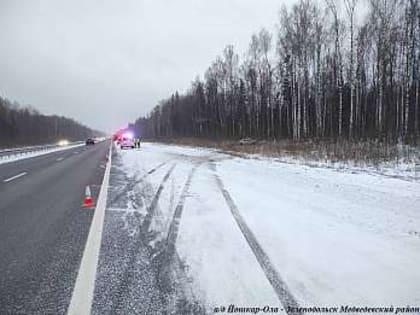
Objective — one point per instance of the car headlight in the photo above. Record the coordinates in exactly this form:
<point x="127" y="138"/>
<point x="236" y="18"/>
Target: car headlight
<point x="63" y="143"/>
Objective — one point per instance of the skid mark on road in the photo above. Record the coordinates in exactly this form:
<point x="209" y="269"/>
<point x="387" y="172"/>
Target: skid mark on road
<point x="171" y="270"/>
<point x="174" y="226"/>
<point x="169" y="265"/>
<point x="152" y="207"/>
<point x="138" y="285"/>
<point x="141" y="271"/>
<point x="133" y="183"/>
<point x="162" y="218"/>
<point x="155" y="168"/>
<point x="279" y="286"/>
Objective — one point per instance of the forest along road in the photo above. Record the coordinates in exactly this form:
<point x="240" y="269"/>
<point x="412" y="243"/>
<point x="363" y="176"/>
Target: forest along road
<point x="43" y="228"/>
<point x="190" y="231"/>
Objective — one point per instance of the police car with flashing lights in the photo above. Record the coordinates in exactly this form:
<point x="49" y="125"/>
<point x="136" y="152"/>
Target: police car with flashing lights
<point x="126" y="141"/>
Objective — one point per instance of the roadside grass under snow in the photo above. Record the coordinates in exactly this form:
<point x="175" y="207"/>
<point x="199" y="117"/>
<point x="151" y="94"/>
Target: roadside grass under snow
<point x="398" y="160"/>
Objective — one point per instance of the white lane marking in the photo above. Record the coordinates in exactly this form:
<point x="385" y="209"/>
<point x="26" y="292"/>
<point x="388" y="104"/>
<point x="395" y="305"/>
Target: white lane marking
<point x="76" y="152"/>
<point x="59" y="159"/>
<point x="14" y="177"/>
<point x="81" y="300"/>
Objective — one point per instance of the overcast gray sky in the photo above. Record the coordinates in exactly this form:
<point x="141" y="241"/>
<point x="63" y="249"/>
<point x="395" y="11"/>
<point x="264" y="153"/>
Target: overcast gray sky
<point x="105" y="63"/>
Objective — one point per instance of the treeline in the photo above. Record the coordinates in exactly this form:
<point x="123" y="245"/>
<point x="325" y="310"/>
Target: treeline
<point x="25" y="126"/>
<point x="325" y="73"/>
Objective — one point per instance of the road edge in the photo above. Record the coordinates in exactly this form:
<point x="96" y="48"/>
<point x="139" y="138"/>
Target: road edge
<point x="39" y="153"/>
<point x="82" y="296"/>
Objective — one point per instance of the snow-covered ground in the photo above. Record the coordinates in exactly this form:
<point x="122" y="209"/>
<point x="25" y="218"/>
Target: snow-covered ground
<point x="400" y="168"/>
<point x="33" y="152"/>
<point x="407" y="166"/>
<point x="256" y="232"/>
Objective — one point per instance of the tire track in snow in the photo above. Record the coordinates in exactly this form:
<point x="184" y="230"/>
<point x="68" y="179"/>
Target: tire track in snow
<point x="152" y="207"/>
<point x="174" y="225"/>
<point x="140" y="255"/>
<point x="167" y="286"/>
<point x="133" y="183"/>
<point x="283" y="293"/>
<point x="172" y="276"/>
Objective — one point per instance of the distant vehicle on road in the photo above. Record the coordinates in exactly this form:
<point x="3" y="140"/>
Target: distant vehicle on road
<point x="63" y="142"/>
<point x="90" y="141"/>
<point x="127" y="142"/>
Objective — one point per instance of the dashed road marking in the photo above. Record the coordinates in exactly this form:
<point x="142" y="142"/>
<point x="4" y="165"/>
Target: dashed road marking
<point x="59" y="159"/>
<point x="14" y="177"/>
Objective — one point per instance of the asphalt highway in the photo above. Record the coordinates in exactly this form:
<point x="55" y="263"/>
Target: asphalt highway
<point x="43" y="227"/>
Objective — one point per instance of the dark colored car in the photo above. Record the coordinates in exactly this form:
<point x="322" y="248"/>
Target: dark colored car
<point x="90" y="141"/>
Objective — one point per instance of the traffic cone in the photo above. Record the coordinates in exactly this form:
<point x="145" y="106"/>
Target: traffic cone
<point x="88" y="202"/>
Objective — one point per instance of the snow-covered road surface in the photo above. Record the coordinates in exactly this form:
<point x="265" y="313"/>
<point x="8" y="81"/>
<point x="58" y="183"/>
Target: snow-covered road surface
<point x="190" y="230"/>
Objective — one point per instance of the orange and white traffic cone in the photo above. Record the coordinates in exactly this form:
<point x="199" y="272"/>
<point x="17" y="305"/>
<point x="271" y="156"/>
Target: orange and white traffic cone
<point x="88" y="201"/>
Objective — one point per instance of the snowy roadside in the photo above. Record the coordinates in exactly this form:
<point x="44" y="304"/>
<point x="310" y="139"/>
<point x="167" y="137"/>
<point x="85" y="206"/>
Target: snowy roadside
<point x="36" y="152"/>
<point x="397" y="168"/>
<point x="198" y="228"/>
